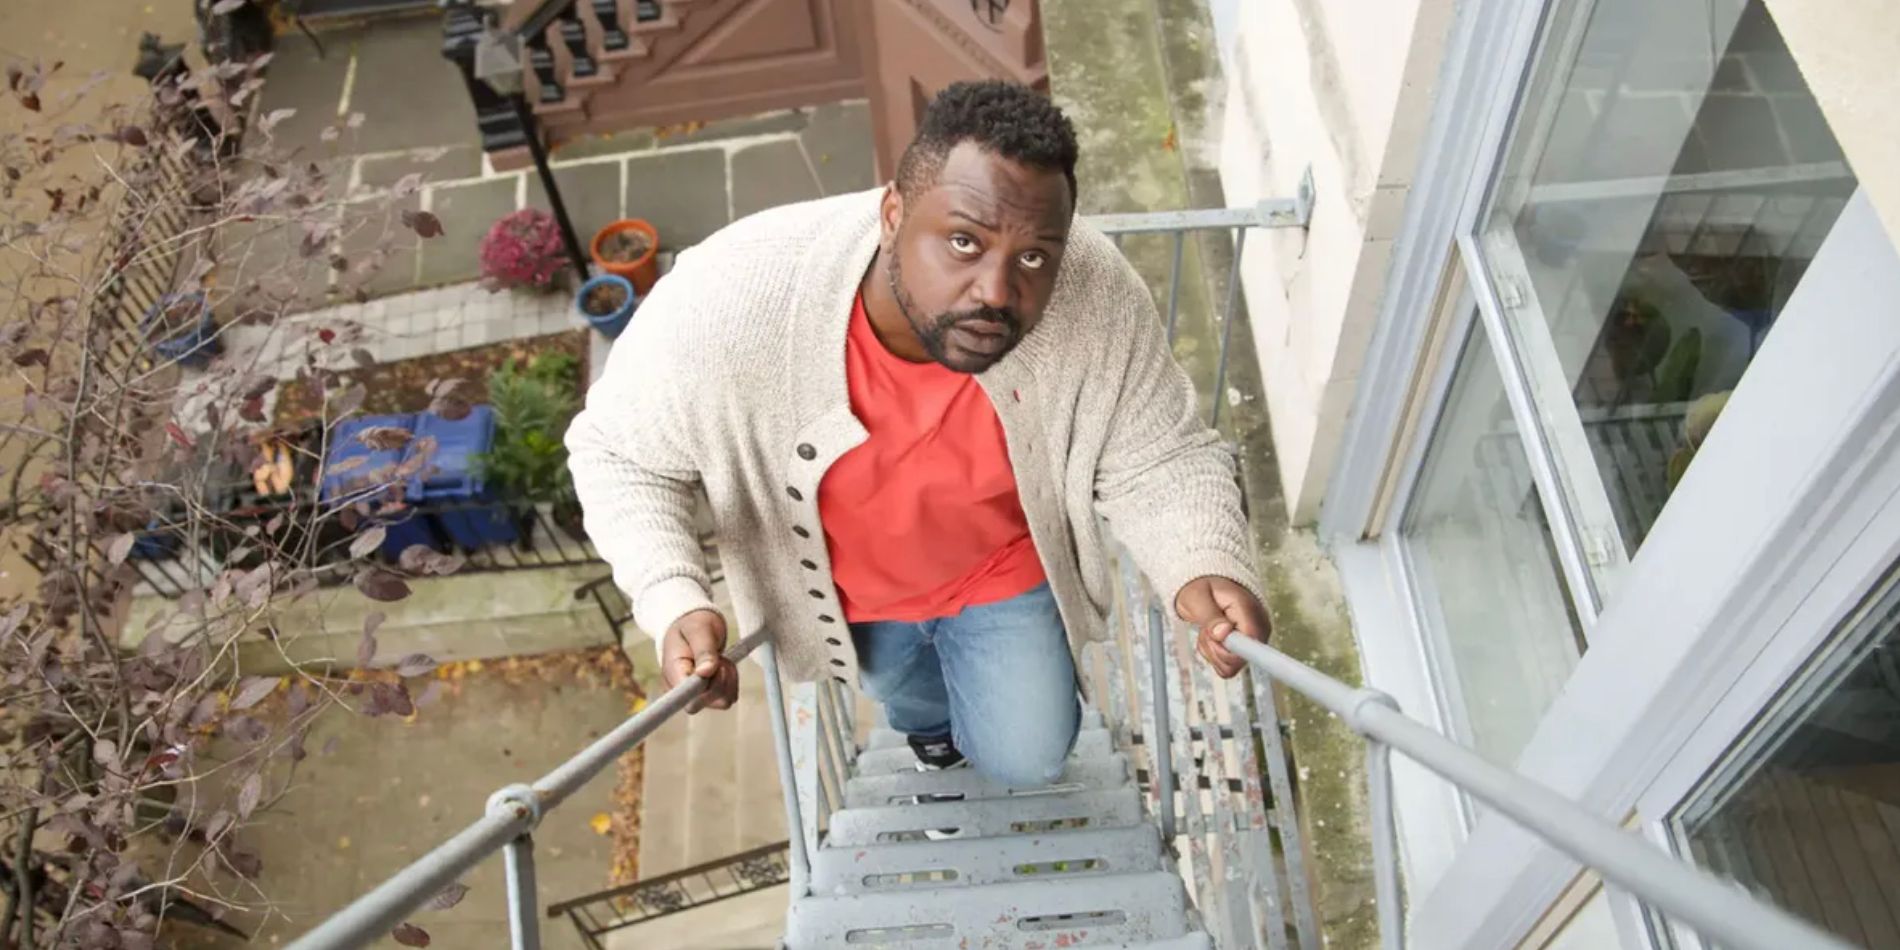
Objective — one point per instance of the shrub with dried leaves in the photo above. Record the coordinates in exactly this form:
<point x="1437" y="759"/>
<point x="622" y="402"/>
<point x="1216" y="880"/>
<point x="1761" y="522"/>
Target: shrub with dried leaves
<point x="133" y="761"/>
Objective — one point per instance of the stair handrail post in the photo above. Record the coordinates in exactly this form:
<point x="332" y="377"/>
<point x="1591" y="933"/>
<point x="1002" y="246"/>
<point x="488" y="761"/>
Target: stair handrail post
<point x="1161" y="741"/>
<point x="787" y="777"/>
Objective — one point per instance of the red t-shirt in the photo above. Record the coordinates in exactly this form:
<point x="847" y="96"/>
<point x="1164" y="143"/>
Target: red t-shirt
<point x="922" y="519"/>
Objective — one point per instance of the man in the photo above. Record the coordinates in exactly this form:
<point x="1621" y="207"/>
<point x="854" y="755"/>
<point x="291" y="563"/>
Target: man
<point x="906" y="409"/>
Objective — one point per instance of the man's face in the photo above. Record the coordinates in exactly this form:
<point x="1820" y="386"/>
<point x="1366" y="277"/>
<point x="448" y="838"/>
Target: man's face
<point x="973" y="259"/>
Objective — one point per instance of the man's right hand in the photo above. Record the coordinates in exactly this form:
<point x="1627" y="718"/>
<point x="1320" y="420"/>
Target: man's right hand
<point x="695" y="646"/>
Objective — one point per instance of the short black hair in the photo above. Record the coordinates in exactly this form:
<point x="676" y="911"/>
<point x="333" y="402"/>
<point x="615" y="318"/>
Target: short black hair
<point x="1006" y="119"/>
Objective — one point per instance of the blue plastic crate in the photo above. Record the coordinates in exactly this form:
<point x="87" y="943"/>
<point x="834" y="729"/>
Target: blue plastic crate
<point x="402" y="526"/>
<point x="449" y="478"/>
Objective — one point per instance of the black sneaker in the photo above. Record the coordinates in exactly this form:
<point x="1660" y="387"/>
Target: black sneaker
<point x="935" y="755"/>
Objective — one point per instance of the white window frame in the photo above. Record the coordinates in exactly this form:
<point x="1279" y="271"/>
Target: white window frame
<point x="1678" y="648"/>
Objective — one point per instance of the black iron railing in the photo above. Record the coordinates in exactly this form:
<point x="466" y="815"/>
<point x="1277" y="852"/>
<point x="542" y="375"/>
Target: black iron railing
<point x="487" y="535"/>
<point x="735" y="875"/>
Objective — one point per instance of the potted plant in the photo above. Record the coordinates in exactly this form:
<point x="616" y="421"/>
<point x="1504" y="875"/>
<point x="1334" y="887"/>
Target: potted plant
<point x="523" y="249"/>
<point x="607" y="301"/>
<point x="528" y="459"/>
<point x="179" y="328"/>
<point x="629" y="248"/>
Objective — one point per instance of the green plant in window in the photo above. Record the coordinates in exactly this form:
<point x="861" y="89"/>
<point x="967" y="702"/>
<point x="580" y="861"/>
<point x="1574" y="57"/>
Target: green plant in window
<point x="1675" y="378"/>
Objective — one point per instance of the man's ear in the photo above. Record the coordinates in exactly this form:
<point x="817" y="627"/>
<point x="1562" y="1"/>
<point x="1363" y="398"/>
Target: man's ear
<point x="890" y="215"/>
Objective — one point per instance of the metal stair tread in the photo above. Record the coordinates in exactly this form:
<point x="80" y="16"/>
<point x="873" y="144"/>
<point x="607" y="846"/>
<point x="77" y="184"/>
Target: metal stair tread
<point x="887" y="738"/>
<point x="1113" y="909"/>
<point x="1090" y="743"/>
<point x="897" y="788"/>
<point x="987" y="818"/>
<point x="886" y="868"/>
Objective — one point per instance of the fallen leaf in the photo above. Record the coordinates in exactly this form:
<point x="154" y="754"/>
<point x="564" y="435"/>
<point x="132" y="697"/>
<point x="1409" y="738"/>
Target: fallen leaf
<point x="425" y="224"/>
<point x="449" y="896"/>
<point x="253" y="691"/>
<point x="343" y="843"/>
<point x="602" y="823"/>
<point x="250" y="794"/>
<point x="415" y="664"/>
<point x="410" y="935"/>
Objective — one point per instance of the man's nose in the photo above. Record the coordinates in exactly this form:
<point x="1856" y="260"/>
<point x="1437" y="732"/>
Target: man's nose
<point x="991" y="287"/>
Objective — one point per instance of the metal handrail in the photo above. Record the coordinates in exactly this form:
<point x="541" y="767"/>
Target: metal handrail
<point x="513" y="813"/>
<point x="1714" y="908"/>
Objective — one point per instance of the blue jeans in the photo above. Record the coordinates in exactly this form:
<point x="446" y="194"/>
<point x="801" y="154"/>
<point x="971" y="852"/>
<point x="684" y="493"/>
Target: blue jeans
<point x="997" y="678"/>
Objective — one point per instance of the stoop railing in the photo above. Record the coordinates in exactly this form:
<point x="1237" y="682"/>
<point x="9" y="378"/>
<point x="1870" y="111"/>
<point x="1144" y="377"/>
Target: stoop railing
<point x="1221" y="788"/>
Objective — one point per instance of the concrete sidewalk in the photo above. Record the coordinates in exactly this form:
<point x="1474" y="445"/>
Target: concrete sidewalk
<point x="417" y="119"/>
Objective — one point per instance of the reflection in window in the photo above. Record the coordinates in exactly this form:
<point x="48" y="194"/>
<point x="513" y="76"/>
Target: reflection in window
<point x="1483" y="560"/>
<point x="1669" y="180"/>
<point x="1806" y="810"/>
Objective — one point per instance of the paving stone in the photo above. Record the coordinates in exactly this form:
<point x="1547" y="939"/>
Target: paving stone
<point x="592" y="194"/>
<point x="467" y="212"/>
<point x="682" y="193"/>
<point x="436" y="164"/>
<point x="378" y="226"/>
<point x="790" y="120"/>
<point x="591" y="146"/>
<point x="409" y="95"/>
<point x="769" y="175"/>
<point x="297" y="79"/>
<point x="838" y="142"/>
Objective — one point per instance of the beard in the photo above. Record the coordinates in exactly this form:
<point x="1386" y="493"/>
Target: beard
<point x="934" y="332"/>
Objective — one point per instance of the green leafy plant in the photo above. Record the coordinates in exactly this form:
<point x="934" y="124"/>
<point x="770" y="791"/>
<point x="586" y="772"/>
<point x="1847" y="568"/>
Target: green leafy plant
<point x="533" y="406"/>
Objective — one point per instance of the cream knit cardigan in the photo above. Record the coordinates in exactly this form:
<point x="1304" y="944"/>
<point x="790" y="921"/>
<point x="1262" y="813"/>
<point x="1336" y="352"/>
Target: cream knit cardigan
<point x="731" y="379"/>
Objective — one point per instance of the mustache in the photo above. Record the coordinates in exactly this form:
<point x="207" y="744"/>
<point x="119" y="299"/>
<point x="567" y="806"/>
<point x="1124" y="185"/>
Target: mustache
<point x="1003" y="315"/>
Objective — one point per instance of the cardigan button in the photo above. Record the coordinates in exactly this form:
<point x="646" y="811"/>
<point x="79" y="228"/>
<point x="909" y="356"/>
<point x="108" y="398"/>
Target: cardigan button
<point x="827" y="618"/>
<point x="800" y="531"/>
<point x="834" y="641"/>
<point x="816" y="594"/>
<point x="806" y="452"/>
<point x="809" y="564"/>
<point x="795" y="493"/>
<point x="837" y="663"/>
<point x="842" y="680"/>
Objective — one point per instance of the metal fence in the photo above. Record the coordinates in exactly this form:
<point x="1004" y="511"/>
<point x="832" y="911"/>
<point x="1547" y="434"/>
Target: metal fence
<point x="170" y="563"/>
<point x="601" y="913"/>
<point x="1221" y="784"/>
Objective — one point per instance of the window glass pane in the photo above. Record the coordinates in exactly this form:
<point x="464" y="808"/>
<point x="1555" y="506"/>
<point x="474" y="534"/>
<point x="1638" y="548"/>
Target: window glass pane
<point x="1484" y="566"/>
<point x="1668" y="179"/>
<point x="1805" y="811"/>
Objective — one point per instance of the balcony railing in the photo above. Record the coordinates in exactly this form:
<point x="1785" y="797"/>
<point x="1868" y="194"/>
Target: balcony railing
<point x="1233" y="829"/>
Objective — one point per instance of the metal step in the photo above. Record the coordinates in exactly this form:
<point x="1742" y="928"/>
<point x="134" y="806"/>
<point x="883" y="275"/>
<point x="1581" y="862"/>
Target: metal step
<point x="892" y="739"/>
<point x="987" y="818"/>
<point x="901" y="788"/>
<point x="1091" y="743"/>
<point x="971" y="862"/>
<point x="1110" y="910"/>
<point x="1193" y="941"/>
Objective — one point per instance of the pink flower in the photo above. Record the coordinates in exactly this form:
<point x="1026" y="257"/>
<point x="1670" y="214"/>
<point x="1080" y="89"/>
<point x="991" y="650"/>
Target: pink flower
<point x="523" y="249"/>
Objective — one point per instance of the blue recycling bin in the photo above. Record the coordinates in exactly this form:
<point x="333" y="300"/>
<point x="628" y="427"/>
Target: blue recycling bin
<point x="462" y="505"/>
<point x="369" y="480"/>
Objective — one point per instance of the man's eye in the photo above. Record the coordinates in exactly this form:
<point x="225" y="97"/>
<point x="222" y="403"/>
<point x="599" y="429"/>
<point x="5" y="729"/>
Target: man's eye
<point x="963" y="244"/>
<point x="1034" y="260"/>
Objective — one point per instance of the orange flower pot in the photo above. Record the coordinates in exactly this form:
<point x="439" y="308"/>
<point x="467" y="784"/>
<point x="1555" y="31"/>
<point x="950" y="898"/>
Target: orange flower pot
<point x="643" y="271"/>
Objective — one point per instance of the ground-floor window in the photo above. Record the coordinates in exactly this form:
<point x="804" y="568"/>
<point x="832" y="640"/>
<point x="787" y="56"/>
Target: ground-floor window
<point x="1664" y="183"/>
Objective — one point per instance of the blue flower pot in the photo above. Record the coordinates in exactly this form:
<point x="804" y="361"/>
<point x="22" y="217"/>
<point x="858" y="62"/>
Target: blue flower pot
<point x="193" y="346"/>
<point x="610" y="324"/>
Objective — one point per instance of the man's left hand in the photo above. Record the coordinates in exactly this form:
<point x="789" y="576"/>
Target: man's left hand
<point x="1219" y="608"/>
